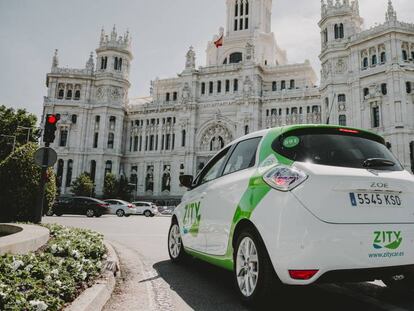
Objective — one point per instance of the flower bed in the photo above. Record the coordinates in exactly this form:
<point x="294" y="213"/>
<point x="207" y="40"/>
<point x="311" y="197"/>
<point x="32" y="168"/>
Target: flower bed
<point x="53" y="276"/>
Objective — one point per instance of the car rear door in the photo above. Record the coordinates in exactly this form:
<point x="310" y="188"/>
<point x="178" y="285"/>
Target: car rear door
<point x="223" y="195"/>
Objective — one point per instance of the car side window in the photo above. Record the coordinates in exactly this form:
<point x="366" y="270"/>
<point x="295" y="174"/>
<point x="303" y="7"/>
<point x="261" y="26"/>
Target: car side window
<point x="213" y="168"/>
<point x="243" y="156"/>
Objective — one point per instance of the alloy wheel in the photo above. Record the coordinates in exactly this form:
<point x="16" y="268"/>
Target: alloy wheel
<point x="247" y="266"/>
<point x="174" y="241"/>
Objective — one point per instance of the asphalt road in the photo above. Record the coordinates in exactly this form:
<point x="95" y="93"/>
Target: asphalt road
<point x="150" y="282"/>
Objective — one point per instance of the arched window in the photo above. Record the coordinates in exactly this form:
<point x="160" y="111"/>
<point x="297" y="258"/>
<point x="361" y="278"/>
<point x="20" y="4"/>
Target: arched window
<point x="383" y="57"/>
<point x="336" y="31"/>
<point x="112" y="122"/>
<point x="77" y="94"/>
<point x="384" y="90"/>
<point x="274" y="86"/>
<point x="108" y="167"/>
<point x="408" y="87"/>
<point x="61" y="94"/>
<point x="211" y="87"/>
<point x="183" y="138"/>
<point x="59" y="172"/>
<point x="69" y="173"/>
<point x="93" y="170"/>
<point x="366" y="92"/>
<point x="69" y="94"/>
<point x="136" y="143"/>
<point x="404" y="55"/>
<point x="235" y="85"/>
<point x="111" y="138"/>
<point x="342" y="120"/>
<point x="365" y="62"/>
<point x="283" y="85"/>
<point x="104" y="62"/>
<point x="374" y="60"/>
<point x="120" y="64"/>
<point x="203" y="88"/>
<point x="74" y="118"/>
<point x="116" y="63"/>
<point x="63" y="138"/>
<point x="341" y="31"/>
<point x="246" y="130"/>
<point x="292" y="84"/>
<point x="236" y="57"/>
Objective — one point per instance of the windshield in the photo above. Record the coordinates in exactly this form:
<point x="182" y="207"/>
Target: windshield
<point x="336" y="147"/>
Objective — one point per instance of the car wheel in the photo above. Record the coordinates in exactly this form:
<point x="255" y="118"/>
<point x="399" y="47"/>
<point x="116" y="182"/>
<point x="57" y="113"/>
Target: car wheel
<point x="253" y="271"/>
<point x="90" y="212"/>
<point x="120" y="213"/>
<point x="147" y="213"/>
<point x="50" y="213"/>
<point x="59" y="214"/>
<point x="175" y="243"/>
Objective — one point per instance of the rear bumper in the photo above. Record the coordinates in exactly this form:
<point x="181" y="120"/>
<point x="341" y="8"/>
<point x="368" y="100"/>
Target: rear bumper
<point x="297" y="240"/>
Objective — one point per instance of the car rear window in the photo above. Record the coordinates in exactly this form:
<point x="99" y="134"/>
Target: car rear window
<point x="334" y="147"/>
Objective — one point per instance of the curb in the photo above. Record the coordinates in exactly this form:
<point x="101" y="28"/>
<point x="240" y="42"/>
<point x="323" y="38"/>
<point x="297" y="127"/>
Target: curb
<point x="95" y="297"/>
<point x="23" y="238"/>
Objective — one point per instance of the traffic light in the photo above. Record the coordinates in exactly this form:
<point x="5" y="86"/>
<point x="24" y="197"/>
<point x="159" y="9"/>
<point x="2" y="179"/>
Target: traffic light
<point x="50" y="128"/>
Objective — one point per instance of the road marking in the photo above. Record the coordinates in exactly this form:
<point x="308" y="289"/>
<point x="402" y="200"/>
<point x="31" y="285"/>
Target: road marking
<point x="361" y="297"/>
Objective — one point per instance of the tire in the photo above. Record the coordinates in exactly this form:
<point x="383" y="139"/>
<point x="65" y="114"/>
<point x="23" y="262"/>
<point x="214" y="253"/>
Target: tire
<point x="254" y="275"/>
<point x="148" y="213"/>
<point x="59" y="214"/>
<point x="90" y="213"/>
<point x="175" y="244"/>
<point x="120" y="213"/>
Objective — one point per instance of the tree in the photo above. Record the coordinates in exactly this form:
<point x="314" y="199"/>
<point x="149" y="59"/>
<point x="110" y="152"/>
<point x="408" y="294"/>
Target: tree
<point x="123" y="189"/>
<point x="83" y="185"/>
<point x="110" y="186"/>
<point x="17" y="123"/>
<point x="20" y="184"/>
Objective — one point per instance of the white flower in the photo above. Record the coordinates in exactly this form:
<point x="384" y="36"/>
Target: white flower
<point x="48" y="278"/>
<point x="3" y="295"/>
<point x="17" y="264"/>
<point x="58" y="283"/>
<point x="75" y="254"/>
<point x="54" y="272"/>
<point x="28" y="268"/>
<point x="38" y="304"/>
<point x="53" y="248"/>
<point x="84" y="275"/>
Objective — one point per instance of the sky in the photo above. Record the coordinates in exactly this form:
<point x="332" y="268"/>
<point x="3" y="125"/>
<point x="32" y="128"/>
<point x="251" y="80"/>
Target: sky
<point x="161" y="30"/>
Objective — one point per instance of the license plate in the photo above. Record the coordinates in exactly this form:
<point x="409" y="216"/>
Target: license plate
<point x="375" y="199"/>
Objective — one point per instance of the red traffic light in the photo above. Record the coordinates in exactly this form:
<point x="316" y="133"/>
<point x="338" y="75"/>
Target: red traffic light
<point x="52" y="119"/>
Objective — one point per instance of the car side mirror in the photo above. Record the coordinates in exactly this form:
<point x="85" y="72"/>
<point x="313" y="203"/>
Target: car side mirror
<point x="187" y="181"/>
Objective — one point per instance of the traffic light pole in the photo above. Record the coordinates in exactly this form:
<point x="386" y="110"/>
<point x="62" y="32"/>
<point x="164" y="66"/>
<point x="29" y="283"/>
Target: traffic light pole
<point x="43" y="179"/>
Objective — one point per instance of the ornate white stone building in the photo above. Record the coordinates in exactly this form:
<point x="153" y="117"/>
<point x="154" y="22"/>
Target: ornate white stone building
<point x="246" y="85"/>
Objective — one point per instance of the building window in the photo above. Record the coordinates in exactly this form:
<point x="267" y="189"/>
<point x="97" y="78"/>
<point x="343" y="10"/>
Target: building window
<point x="292" y="84"/>
<point x="167" y="141"/>
<point x="246" y="129"/>
<point x="218" y="86"/>
<point x="283" y="85"/>
<point x="274" y="86"/>
<point x="374" y="60"/>
<point x="69" y="173"/>
<point x="61" y="94"/>
<point x="136" y="143"/>
<point x="63" y="138"/>
<point x="95" y="140"/>
<point x="412" y="155"/>
<point x="365" y="62"/>
<point x="111" y="138"/>
<point x="167" y="97"/>
<point x="383" y="58"/>
<point x="341" y="98"/>
<point x="74" y="118"/>
<point x="77" y="95"/>
<point x="336" y="31"/>
<point x="366" y="92"/>
<point x="341" y="31"/>
<point x="203" y="88"/>
<point x="69" y="94"/>
<point x="108" y="167"/>
<point x="236" y="57"/>
<point x="227" y="86"/>
<point x="104" y="62"/>
<point x="408" y="87"/>
<point x="210" y="87"/>
<point x="183" y="138"/>
<point x="93" y="170"/>
<point x="384" y="90"/>
<point x="235" y="85"/>
<point x="342" y="120"/>
<point x="112" y="122"/>
<point x="59" y="173"/>
<point x="175" y="96"/>
<point x="235" y="24"/>
<point x="404" y="55"/>
<point x="375" y="117"/>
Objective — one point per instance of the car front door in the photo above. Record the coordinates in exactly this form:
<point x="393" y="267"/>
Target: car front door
<point x="223" y="195"/>
<point x="192" y="218"/>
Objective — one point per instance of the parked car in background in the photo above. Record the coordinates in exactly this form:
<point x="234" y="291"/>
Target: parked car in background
<point x="166" y="210"/>
<point x="79" y="206"/>
<point x="148" y="209"/>
<point x="121" y="208"/>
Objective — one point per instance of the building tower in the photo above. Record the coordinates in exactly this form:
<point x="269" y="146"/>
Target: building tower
<point x="339" y="22"/>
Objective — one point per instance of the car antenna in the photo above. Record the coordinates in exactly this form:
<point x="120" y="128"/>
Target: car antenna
<point x="330" y="110"/>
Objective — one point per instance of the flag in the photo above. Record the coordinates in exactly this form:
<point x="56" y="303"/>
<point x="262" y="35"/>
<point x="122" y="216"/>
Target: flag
<point x="219" y="42"/>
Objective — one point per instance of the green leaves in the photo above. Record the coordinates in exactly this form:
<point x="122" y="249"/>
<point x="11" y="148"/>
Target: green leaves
<point x="83" y="185"/>
<point x="55" y="276"/>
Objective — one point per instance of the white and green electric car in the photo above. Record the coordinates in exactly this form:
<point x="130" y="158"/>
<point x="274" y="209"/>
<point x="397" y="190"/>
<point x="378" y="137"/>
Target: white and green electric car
<point x="298" y="205"/>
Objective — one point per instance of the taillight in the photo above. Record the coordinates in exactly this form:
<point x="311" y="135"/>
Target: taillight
<point x="284" y="178"/>
<point x="130" y="206"/>
<point x="103" y="205"/>
<point x="302" y="274"/>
